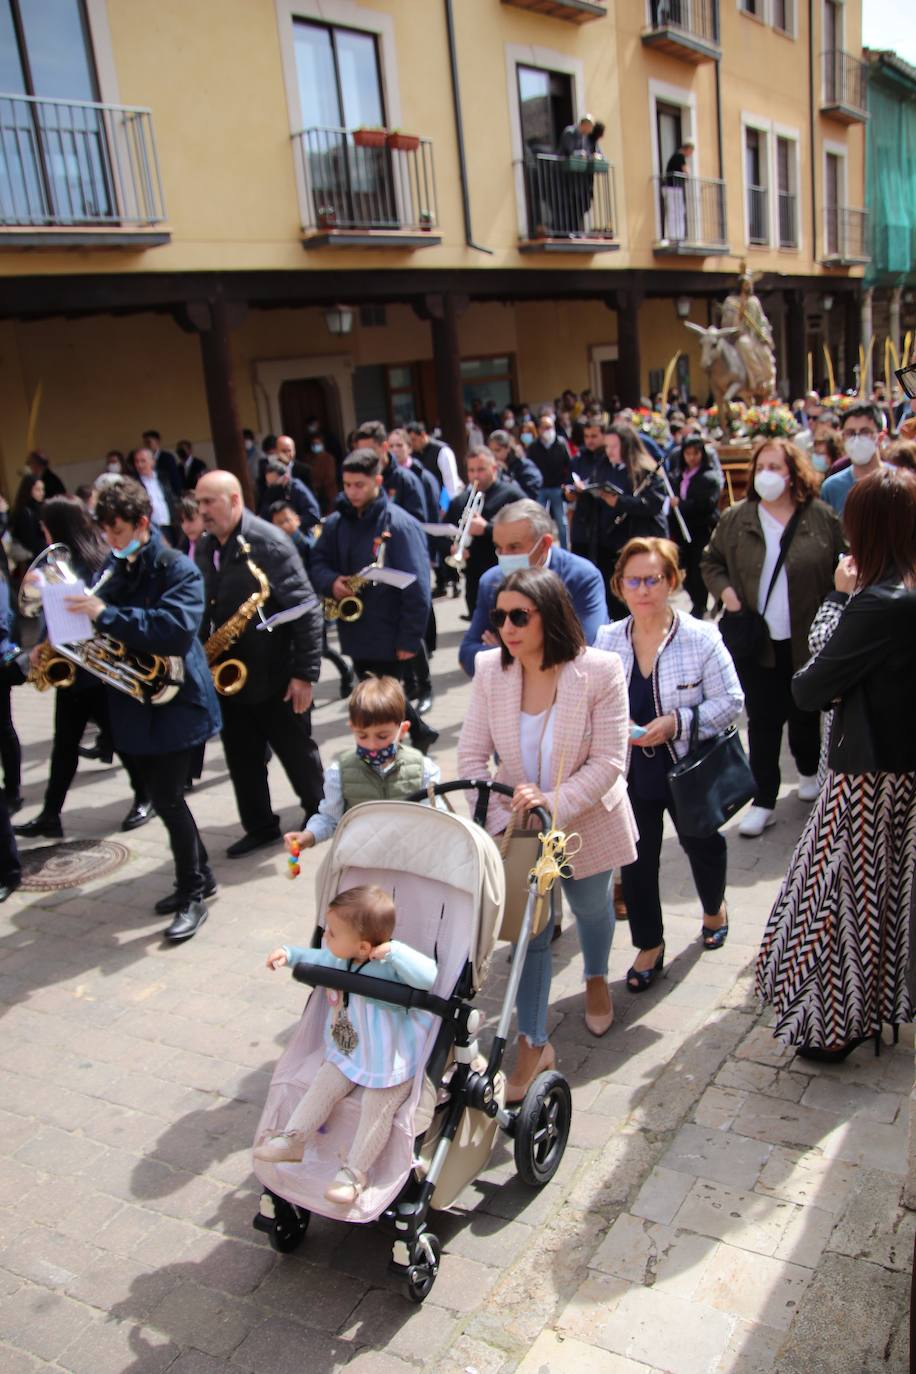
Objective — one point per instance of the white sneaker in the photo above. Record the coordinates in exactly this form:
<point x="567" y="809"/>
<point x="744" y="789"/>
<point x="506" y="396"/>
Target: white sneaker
<point x="808" y="789"/>
<point x="756" y="821"/>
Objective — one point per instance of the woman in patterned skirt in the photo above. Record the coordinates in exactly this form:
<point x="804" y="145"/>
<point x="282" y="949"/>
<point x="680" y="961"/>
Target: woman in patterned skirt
<point x="835" y="955"/>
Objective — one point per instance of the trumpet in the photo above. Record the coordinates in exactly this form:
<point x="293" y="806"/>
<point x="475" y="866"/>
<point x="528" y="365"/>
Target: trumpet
<point x="463" y="538"/>
<point x="350" y="607"/>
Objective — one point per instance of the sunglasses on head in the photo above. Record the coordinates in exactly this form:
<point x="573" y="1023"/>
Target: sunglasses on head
<point x="517" y="616"/>
<point x="633" y="584"/>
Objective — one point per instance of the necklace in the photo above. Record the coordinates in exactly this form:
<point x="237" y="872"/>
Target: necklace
<point x="343" y="1031"/>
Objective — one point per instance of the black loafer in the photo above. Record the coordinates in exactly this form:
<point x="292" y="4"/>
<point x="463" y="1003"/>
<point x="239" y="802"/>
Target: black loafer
<point x="138" y="815"/>
<point x="249" y="843"/>
<point x="187" y="922"/>
<point x="95" y="752"/>
<point x="424" y="703"/>
<point x="47" y="826"/>
<point x="175" y="901"/>
<point x="9" y="887"/>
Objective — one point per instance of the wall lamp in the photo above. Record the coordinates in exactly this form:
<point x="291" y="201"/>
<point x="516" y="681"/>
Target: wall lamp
<point x="339" y="319"/>
<point x="682" y="306"/>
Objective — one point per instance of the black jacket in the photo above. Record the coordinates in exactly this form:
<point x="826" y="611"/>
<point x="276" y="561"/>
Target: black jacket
<point x="404" y="489"/>
<point x="700" y="507"/>
<point x="272" y="657"/>
<point x="154" y="605"/>
<point x="482" y="553"/>
<point x="640" y="508"/>
<point x="298" y="495"/>
<point x="552" y="463"/>
<point x="868" y="667"/>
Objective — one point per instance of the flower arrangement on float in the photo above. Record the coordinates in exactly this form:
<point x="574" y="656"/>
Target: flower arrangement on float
<point x="653" y="424"/>
<point x="769" y="422"/>
<point x="840" y="401"/>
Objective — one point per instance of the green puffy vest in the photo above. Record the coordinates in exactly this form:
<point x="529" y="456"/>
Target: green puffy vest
<point x="360" y="782"/>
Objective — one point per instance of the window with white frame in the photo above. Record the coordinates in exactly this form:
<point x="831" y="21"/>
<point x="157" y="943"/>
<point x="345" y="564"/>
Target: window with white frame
<point x="787" y="191"/>
<point x="756" y="183"/>
<point x="752" y="7"/>
<point x="782" y="15"/>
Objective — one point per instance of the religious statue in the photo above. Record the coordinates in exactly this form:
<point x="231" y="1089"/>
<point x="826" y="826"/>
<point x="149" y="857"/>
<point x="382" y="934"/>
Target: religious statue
<point x="738" y="356"/>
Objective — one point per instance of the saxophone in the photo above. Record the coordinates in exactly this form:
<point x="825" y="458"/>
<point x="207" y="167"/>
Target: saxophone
<point x="350" y="608"/>
<point x="230" y="676"/>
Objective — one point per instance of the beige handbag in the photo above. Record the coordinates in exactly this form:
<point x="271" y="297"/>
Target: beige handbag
<point x="520" y="850"/>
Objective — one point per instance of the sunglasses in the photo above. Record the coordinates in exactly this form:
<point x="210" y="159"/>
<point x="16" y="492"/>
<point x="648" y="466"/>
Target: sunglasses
<point x="516" y="616"/>
<point x="633" y="584"/>
<point x="906" y="376"/>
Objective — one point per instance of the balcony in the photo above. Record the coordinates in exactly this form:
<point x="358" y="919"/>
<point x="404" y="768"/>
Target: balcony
<point x="690" y="217"/>
<point x="758" y="215"/>
<point x="787" y="210"/>
<point x="367" y="188"/>
<point x="76" y="174"/>
<point x="573" y="11"/>
<point x="569" y="203"/>
<point x="845" y="237"/>
<point x="844" y="95"/>
<point x="687" y="29"/>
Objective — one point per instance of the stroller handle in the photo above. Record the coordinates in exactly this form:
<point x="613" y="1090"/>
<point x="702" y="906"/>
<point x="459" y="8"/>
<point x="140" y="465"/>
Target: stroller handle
<point x="483" y="788"/>
<point x="375" y="989"/>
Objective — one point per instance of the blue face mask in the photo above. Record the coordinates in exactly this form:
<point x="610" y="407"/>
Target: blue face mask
<point x="377" y="758"/>
<point x="819" y="462"/>
<point x="527" y="439"/>
<point x="512" y="562"/>
<point x="128" y="550"/>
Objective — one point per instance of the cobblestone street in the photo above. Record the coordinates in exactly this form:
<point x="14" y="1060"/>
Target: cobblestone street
<point x="722" y="1208"/>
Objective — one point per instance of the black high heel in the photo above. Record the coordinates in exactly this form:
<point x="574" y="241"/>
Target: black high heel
<point x="640" y="980"/>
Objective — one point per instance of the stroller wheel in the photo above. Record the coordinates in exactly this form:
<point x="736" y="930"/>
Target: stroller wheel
<point x="542" y="1128"/>
<point x="289" y="1227"/>
<point x="425" y="1256"/>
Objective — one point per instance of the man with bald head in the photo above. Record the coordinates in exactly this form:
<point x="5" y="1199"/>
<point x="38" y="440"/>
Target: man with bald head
<point x="272" y="708"/>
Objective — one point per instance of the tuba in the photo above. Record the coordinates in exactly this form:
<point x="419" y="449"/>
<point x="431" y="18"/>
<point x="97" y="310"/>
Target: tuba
<point x="230" y="676"/>
<point x="148" y="678"/>
<point x="350" y="608"/>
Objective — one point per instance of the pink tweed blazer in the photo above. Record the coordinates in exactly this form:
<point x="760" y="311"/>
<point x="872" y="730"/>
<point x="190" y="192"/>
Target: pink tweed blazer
<point x="589" y="736"/>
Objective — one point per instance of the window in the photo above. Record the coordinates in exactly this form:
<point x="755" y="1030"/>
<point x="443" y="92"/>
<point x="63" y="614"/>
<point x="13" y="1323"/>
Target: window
<point x="54" y="157"/>
<point x="339" y="82"/>
<point x="382" y="392"/>
<point x="402" y="394"/>
<point x="833" y="196"/>
<point x="755" y="173"/>
<point x="545" y="102"/>
<point x="786" y="191"/>
<point x="490" y="379"/>
<point x="753" y="7"/>
<point x="783" y="15"/>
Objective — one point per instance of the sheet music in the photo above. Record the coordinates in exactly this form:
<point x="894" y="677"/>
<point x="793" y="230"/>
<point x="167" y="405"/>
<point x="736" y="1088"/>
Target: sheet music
<point x="63" y="626"/>
<point x="440" y="531"/>
<point x="282" y="617"/>
<point x="391" y="577"/>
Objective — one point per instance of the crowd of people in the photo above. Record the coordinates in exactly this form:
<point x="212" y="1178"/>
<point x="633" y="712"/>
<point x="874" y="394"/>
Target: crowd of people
<point x="574" y="528"/>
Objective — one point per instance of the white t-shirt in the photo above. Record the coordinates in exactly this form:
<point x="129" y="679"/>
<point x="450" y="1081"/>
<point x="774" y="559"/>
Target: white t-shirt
<point x="448" y="469"/>
<point x="535" y="731"/>
<point x="777" y="612"/>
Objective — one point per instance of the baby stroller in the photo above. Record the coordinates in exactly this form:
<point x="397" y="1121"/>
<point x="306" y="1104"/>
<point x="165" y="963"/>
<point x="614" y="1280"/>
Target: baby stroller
<point x="446" y="876"/>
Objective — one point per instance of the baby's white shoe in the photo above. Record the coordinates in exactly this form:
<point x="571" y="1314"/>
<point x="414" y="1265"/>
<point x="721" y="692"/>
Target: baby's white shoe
<point x="347" y="1186"/>
<point x="280" y="1149"/>
<point x="756" y="821"/>
<point x="808" y="789"/>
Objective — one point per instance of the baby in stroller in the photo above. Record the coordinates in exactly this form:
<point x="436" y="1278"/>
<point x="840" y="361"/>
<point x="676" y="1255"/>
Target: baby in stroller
<point x="367" y="1044"/>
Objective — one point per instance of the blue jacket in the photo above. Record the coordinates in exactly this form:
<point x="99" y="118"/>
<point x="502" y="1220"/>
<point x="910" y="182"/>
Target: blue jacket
<point x="583" y="582"/>
<point x="155" y="605"/>
<point x="392" y="619"/>
<point x="405" y="489"/>
<point x="526" y="475"/>
<point x="302" y="500"/>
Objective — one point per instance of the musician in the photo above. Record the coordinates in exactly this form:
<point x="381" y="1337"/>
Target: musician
<point x="390" y="632"/>
<point x="497" y="492"/>
<point x="273" y="708"/>
<point x="153" y="603"/>
<point x="403" y="488"/>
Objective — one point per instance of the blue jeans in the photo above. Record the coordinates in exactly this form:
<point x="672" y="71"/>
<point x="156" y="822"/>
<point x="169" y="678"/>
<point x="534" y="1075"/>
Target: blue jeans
<point x="552" y="499"/>
<point x="590" y="900"/>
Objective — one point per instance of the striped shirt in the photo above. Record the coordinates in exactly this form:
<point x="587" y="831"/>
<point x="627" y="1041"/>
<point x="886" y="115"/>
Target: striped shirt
<point x="390" y="1040"/>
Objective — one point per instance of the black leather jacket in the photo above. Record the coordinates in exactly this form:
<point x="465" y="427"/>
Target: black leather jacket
<point x="867" y="669"/>
<point x="271" y="657"/>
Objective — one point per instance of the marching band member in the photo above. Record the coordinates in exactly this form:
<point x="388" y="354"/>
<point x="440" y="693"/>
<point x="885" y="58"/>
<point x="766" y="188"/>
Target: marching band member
<point x="497" y="492"/>
<point x="154" y="601"/>
<point x="272" y="707"/>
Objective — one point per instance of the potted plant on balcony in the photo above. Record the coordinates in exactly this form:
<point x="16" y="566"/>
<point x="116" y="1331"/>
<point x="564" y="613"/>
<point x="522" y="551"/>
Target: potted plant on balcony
<point x="426" y="220"/>
<point x="579" y="162"/>
<point x="399" y="142"/>
<point x="326" y="216"/>
<point x="370" y="137"/>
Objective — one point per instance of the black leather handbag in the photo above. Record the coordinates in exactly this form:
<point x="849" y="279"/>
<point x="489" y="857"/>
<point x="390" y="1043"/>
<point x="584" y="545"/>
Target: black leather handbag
<point x="746" y="632"/>
<point x="711" y="782"/>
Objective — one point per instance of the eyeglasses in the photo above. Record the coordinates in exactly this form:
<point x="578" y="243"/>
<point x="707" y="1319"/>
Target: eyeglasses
<point x="633" y="584"/>
<point x="906" y="376"/>
<point x="516" y="616"/>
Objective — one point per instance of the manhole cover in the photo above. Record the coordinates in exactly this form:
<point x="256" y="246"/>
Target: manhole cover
<point x="70" y="863"/>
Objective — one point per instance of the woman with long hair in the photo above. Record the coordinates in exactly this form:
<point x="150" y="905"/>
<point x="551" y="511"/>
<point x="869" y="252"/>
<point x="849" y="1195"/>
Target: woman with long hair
<point x="770" y="562"/>
<point x="554" y="713"/>
<point x="66" y="521"/>
<point x="698" y="487"/>
<point x="835" y="957"/>
<point x="25" y="517"/>
<point x="631" y="501"/>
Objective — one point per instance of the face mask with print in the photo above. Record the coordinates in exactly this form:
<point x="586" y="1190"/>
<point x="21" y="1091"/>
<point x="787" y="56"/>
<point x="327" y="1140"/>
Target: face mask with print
<point x="860" y="449"/>
<point x="128" y="550"/>
<point x="769" y="486"/>
<point x="378" y="757"/>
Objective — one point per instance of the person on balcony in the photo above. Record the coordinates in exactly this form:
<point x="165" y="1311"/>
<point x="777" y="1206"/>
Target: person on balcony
<point x="575" y="195"/>
<point x="674" y="198"/>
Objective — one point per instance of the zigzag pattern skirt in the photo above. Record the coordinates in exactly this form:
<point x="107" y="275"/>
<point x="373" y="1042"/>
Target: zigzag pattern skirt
<point x="835" y="953"/>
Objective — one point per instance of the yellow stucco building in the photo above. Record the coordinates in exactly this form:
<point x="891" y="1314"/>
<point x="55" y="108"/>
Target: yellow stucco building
<point x="188" y="192"/>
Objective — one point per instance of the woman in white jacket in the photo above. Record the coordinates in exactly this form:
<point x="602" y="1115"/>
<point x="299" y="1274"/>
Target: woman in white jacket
<point x="675" y="665"/>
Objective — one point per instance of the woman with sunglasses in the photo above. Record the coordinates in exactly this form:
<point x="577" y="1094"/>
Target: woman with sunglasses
<point x="675" y="665"/>
<point x="554" y="713"/>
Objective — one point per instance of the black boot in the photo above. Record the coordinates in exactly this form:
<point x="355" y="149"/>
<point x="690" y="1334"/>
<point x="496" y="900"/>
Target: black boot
<point x="166" y="906"/>
<point x="187" y="921"/>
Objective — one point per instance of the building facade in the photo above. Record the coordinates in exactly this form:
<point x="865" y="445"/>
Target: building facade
<point x="251" y="212"/>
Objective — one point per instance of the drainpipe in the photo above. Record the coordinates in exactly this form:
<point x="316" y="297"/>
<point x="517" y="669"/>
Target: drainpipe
<point x="459" y="132"/>
<point x="812" y="130"/>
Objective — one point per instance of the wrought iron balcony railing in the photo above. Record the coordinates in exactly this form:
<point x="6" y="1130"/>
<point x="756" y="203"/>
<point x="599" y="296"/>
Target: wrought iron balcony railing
<point x="570" y="201"/>
<point x="787" y="209"/>
<point x="845" y="87"/>
<point x="758" y="215"/>
<point x="845" y="236"/>
<point x="77" y="164"/>
<point x="691" y="215"/>
<point x="688" y="29"/>
<point x="367" y="181"/>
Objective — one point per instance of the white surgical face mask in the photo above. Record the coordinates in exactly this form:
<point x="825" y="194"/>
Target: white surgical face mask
<point x="548" y="436"/>
<point x="769" y="486"/>
<point x="860" y="449"/>
<point x="516" y="562"/>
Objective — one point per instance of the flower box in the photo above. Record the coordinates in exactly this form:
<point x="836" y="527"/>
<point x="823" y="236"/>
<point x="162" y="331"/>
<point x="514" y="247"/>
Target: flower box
<point x="403" y="143"/>
<point x="579" y="164"/>
<point x="327" y="217"/>
<point x="370" y="138"/>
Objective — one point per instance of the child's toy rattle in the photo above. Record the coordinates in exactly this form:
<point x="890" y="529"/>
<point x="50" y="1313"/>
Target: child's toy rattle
<point x="292" y="860"/>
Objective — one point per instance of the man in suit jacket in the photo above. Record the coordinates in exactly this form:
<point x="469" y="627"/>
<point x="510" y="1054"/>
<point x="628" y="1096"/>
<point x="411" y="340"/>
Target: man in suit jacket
<point x="190" y="466"/>
<point x="524" y="530"/>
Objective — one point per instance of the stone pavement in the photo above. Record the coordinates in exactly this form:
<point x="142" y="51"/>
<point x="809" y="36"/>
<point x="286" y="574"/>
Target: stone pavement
<point x="722" y="1208"/>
